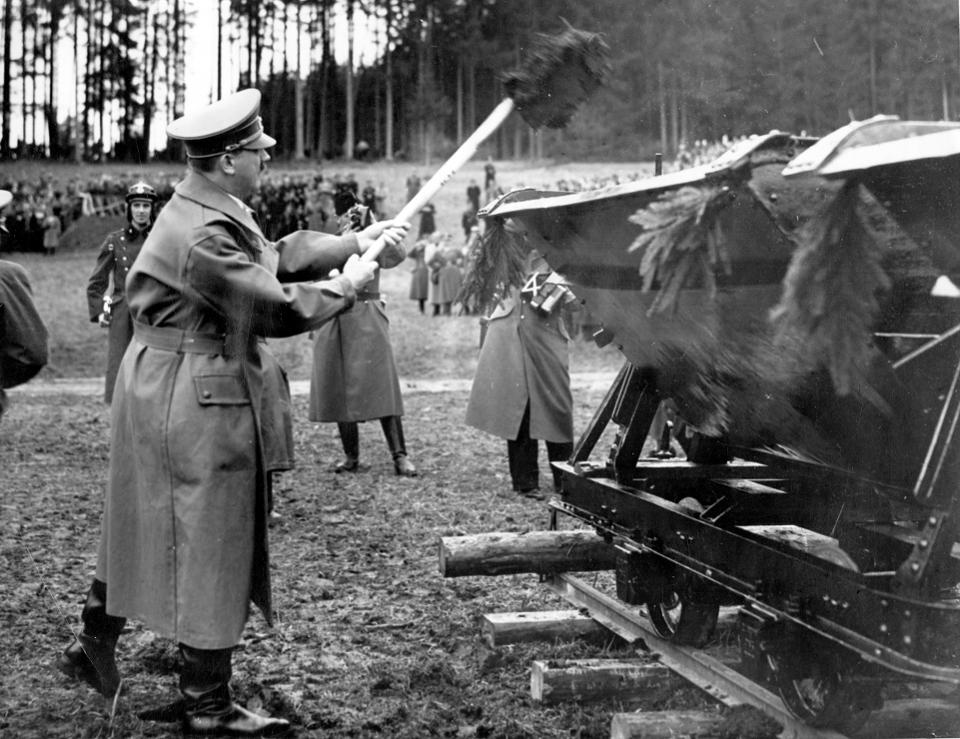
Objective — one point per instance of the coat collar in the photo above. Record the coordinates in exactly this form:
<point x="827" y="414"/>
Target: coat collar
<point x="201" y="190"/>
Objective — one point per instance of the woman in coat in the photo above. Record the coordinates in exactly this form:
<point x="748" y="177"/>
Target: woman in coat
<point x="354" y="376"/>
<point x="419" y="276"/>
<point x="521" y="390"/>
<point x="183" y="543"/>
<point x="108" y="306"/>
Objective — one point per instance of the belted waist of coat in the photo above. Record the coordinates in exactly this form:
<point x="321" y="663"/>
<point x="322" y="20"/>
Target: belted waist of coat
<point x="178" y="340"/>
<point x="362" y="296"/>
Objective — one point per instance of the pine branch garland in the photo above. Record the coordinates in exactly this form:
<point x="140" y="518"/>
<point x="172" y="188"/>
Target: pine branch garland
<point x="495" y="263"/>
<point x="682" y="242"/>
<point x="830" y="293"/>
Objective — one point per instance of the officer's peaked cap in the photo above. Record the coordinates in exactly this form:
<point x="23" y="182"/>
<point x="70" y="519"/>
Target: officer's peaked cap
<point x="141" y="191"/>
<point x="227" y="125"/>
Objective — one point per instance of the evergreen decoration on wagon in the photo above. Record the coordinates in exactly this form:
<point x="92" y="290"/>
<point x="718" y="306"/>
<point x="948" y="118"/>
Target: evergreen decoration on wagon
<point x="682" y="242"/>
<point x="495" y="264"/>
<point x="830" y="292"/>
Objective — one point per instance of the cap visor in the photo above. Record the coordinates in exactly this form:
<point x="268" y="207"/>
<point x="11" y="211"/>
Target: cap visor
<point x="5" y="197"/>
<point x="263" y="142"/>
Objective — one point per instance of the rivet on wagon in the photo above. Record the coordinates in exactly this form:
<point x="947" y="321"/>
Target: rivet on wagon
<point x="884" y="603"/>
<point x="878" y="651"/>
<point x="883" y="628"/>
<point x="932" y="520"/>
<point x="915" y="567"/>
<point x="709" y="573"/>
<point x="907" y="614"/>
<point x="907" y="639"/>
<point x="923" y="543"/>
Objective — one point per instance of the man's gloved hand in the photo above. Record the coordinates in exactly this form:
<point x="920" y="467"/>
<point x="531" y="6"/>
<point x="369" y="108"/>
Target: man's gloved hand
<point x="358" y="271"/>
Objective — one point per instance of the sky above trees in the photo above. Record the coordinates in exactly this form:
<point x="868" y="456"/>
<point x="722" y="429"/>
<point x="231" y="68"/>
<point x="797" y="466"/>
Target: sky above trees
<point x="426" y="72"/>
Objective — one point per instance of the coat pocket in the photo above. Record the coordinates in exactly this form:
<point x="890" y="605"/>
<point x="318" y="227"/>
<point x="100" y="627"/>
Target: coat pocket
<point x="220" y="389"/>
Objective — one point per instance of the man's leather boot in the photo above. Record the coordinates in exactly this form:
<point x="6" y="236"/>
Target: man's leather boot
<point x="208" y="708"/>
<point x="350" y="440"/>
<point x="92" y="655"/>
<point x="393" y="431"/>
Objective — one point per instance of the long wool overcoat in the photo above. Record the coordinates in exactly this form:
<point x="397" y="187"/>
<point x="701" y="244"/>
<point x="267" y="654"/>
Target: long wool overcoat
<point x="354" y="375"/>
<point x="524" y="357"/>
<point x="116" y="257"/>
<point x="183" y="545"/>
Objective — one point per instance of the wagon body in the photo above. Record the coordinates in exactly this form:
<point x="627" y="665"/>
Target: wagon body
<point x="829" y="513"/>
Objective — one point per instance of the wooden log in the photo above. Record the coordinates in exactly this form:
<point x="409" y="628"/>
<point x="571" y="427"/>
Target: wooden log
<point x="499" y="629"/>
<point x="664" y="724"/>
<point x="585" y="680"/>
<point x="540" y="552"/>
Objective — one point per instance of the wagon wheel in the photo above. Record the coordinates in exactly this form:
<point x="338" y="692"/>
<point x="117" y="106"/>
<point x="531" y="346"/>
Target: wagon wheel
<point x="819" y="688"/>
<point x="681" y="621"/>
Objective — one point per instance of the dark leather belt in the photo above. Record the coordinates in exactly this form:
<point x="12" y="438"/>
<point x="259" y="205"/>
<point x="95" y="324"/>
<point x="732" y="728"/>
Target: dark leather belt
<point x="361" y="296"/>
<point x="176" y="340"/>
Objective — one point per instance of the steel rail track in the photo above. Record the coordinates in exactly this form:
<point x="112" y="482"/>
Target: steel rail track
<point x="709" y="674"/>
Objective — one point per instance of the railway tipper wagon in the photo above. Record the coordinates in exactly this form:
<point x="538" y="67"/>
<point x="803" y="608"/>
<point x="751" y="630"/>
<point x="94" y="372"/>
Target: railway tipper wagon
<point x="784" y="427"/>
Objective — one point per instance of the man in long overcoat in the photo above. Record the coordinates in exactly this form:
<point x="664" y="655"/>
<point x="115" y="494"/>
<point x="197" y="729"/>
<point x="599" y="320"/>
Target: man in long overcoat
<point x="183" y="544"/>
<point x="114" y="261"/>
<point x="521" y="390"/>
<point x="354" y="375"/>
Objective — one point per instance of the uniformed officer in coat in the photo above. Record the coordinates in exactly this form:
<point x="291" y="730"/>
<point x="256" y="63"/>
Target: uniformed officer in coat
<point x="183" y="542"/>
<point x="23" y="336"/>
<point x="105" y="302"/>
<point x="521" y="390"/>
<point x="354" y="375"/>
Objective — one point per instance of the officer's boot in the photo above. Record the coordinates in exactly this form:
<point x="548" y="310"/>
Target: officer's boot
<point x="91" y="656"/>
<point x="350" y="439"/>
<point x="393" y="431"/>
<point x="207" y="705"/>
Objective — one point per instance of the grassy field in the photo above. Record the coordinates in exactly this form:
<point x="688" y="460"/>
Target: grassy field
<point x="424" y="346"/>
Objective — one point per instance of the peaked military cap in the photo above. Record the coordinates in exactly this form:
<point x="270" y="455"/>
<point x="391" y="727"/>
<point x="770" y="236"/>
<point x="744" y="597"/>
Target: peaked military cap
<point x="227" y="125"/>
<point x="141" y="191"/>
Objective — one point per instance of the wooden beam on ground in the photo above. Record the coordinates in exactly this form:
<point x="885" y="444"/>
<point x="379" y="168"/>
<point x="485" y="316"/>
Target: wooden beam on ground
<point x="540" y="552"/>
<point x="584" y="680"/>
<point x="500" y="629"/>
<point x="664" y="724"/>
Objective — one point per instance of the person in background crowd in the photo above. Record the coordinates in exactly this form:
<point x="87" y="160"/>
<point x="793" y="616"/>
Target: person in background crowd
<point x="413" y="185"/>
<point x="51" y="233"/>
<point x="435" y="256"/>
<point x="198" y="417"/>
<point x="450" y="279"/>
<point x="369" y="199"/>
<point x="468" y="221"/>
<point x="23" y="336"/>
<point x="354" y="376"/>
<point x="114" y="260"/>
<point x="419" y="276"/>
<point x="473" y="195"/>
<point x="489" y="180"/>
<point x="521" y="390"/>
<point x="428" y="223"/>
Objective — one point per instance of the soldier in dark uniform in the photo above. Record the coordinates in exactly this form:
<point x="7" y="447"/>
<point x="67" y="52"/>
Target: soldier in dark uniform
<point x="354" y="375"/>
<point x="521" y="390"/>
<point x="114" y="260"/>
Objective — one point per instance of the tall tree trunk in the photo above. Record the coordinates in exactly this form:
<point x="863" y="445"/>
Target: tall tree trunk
<point x="460" y="97"/>
<point x="349" y="103"/>
<point x="662" y="105"/>
<point x="323" y="130"/>
<point x="78" y="143"/>
<point x="24" y="74"/>
<point x="388" y="92"/>
<point x="5" y="107"/>
<point x="219" y="49"/>
<point x="298" y="137"/>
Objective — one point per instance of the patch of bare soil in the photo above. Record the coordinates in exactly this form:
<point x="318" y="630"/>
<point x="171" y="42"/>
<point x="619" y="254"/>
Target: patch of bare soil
<point x="370" y="640"/>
